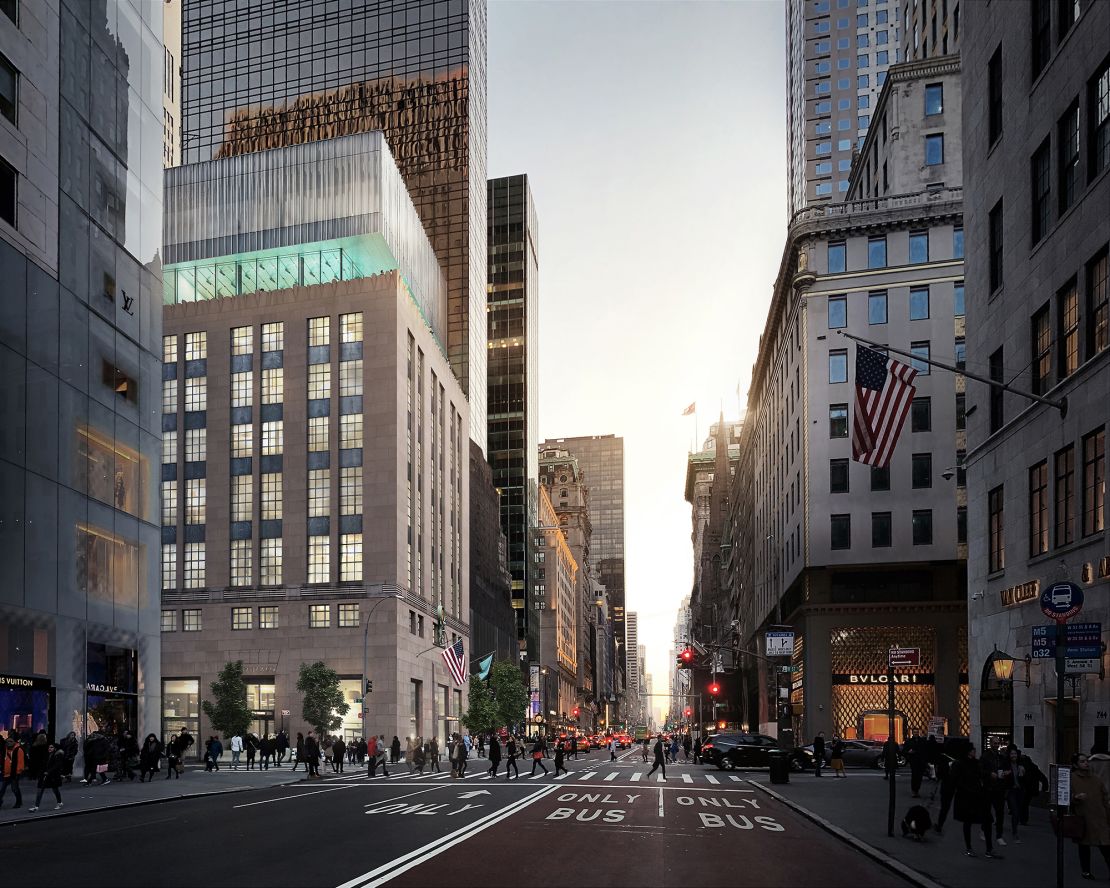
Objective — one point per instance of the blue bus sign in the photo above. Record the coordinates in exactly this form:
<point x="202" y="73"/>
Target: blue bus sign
<point x="1062" y="601"/>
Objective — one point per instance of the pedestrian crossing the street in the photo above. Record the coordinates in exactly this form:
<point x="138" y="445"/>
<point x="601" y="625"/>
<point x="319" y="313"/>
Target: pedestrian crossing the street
<point x="597" y="776"/>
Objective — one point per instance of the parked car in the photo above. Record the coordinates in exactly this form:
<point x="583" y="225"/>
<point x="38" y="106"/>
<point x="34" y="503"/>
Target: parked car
<point x="857" y="753"/>
<point x="727" y="751"/>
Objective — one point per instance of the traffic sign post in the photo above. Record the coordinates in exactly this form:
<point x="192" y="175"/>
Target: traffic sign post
<point x="901" y="657"/>
<point x="780" y="644"/>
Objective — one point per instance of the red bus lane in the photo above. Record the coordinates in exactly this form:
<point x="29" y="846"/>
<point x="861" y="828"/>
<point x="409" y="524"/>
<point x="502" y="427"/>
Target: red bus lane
<point x="649" y="834"/>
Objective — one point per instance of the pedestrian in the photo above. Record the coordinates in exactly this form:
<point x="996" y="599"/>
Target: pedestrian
<point x="1089" y="800"/>
<point x="37" y="755"/>
<point x="1034" y="783"/>
<point x="51" y="777"/>
<point x="697" y="751"/>
<point x="236" y="750"/>
<point x="659" y="761"/>
<point x="339" y="750"/>
<point x="96" y="759"/>
<point x="281" y="746"/>
<point x="250" y="746"/>
<point x="537" y="756"/>
<point x="510" y="758"/>
<point x="435" y="754"/>
<point x="299" y="753"/>
<point x="418" y="758"/>
<point x="836" y="761"/>
<point x="329" y="753"/>
<point x="1012" y="777"/>
<point x="674" y="750"/>
<point x="383" y="752"/>
<point x="687" y="745"/>
<point x="613" y="749"/>
<point x="312" y="755"/>
<point x="559" y="754"/>
<point x="818" y="753"/>
<point x="128" y="757"/>
<point x="972" y="802"/>
<point x="265" y="752"/>
<point x="395" y="750"/>
<point x="481" y="745"/>
<point x="890" y="758"/>
<point x="462" y="749"/>
<point x="14" y="764"/>
<point x="360" y="753"/>
<point x="149" y="756"/>
<point x="494" y="756"/>
<point x="171" y="758"/>
<point x="993" y="764"/>
<point x="210" y="755"/>
<point x="69" y="747"/>
<point x="410" y="747"/>
<point x="372" y="757"/>
<point x="915" y="758"/>
<point x="947" y="783"/>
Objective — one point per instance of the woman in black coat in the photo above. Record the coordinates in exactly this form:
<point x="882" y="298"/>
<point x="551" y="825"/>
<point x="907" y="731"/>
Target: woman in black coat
<point x="972" y="803"/>
<point x="51" y="777"/>
<point x="149" y="756"/>
<point x="395" y="750"/>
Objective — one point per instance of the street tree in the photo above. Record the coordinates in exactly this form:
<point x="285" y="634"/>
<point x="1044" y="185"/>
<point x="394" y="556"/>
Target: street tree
<point x="324" y="706"/>
<point x="497" y="702"/>
<point x="229" y="713"/>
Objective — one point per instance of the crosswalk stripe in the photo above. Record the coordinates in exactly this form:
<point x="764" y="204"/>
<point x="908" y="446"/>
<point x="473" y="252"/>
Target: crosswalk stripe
<point x="611" y="776"/>
<point x="588" y="775"/>
<point x="712" y="779"/>
<point x="637" y="776"/>
<point x="733" y="777"/>
<point x="564" y="775"/>
<point x="442" y="776"/>
<point x="660" y="778"/>
<point x="686" y="778"/>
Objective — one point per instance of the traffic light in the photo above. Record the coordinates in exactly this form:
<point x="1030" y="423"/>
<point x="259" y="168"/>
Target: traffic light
<point x="369" y="686"/>
<point x="688" y="712"/>
<point x="575" y="710"/>
<point x="686" y="658"/>
<point x="714" y="689"/>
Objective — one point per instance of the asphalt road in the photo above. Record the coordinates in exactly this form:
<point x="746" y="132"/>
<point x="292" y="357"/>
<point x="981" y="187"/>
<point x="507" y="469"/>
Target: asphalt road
<point x="602" y="824"/>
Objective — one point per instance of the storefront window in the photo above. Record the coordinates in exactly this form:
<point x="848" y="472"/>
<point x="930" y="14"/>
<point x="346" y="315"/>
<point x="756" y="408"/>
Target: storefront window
<point x="181" y="709"/>
<point x="26" y="706"/>
<point x="351" y="727"/>
<point x="111" y="702"/>
<point x="114" y="470"/>
<point x="108" y="566"/>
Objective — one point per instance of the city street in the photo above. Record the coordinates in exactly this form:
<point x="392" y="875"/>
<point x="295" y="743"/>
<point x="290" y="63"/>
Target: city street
<point x="699" y="827"/>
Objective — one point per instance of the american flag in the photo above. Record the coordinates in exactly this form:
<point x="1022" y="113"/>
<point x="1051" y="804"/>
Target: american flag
<point x="455" y="657"/>
<point x="884" y="391"/>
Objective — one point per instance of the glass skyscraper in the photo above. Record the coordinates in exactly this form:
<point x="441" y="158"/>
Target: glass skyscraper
<point x="260" y="74"/>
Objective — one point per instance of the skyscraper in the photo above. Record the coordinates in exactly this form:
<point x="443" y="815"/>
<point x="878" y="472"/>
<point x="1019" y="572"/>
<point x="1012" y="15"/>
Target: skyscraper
<point x="513" y="372"/>
<point x="632" y="665"/>
<point x="837" y="53"/>
<point x="254" y="78"/>
<point x="80" y="327"/>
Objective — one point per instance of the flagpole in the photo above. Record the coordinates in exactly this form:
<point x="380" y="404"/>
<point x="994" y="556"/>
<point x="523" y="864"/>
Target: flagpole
<point x="1061" y="405"/>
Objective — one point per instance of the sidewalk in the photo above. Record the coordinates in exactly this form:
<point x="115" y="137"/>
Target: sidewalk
<point x="858" y="806"/>
<point x="79" y="798"/>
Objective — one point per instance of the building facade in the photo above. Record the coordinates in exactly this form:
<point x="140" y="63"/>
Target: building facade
<point x="319" y="70"/>
<point x="80" y="319"/>
<point x="492" y="619"/>
<point x="171" y="83"/>
<point x="1036" y="121"/>
<point x="513" y="376"/>
<point x="633" y="703"/>
<point x="554" y="600"/>
<point x="930" y="28"/>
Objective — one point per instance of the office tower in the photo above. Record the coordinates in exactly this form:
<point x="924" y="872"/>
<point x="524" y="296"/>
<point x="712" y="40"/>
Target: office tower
<point x="837" y="54"/>
<point x="554" y="583"/>
<point x="601" y="460"/>
<point x="632" y="667"/>
<point x="513" y="375"/>
<point x="257" y="77"/>
<point x="315" y="473"/>
<point x="931" y="28"/>
<point x="171" y="83"/>
<point x="80" y="332"/>
<point x="1036" y="98"/>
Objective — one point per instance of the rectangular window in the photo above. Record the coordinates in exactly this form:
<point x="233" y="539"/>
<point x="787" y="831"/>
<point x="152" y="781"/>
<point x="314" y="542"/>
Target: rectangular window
<point x="192" y="620"/>
<point x="242" y="389"/>
<point x="934" y="99"/>
<point x="242" y="439"/>
<point x="876" y="252"/>
<point x="8" y="180"/>
<point x="169" y="566"/>
<point x="350" y="327"/>
<point x="195" y="500"/>
<point x="196" y="394"/>
<point x="1098" y="120"/>
<point x="169" y="349"/>
<point x="919" y="246"/>
<point x="317" y="434"/>
<point x="876" y="307"/>
<point x="1067" y="143"/>
<point x="1042" y="351"/>
<point x="921" y="415"/>
<point x="1069" y="12"/>
<point x="350" y="490"/>
<point x="350" y="557"/>
<point x="961" y="353"/>
<point x="271" y="496"/>
<point x="922" y="527"/>
<point x="1041" y="35"/>
<point x="837" y="258"/>
<point x="1041" y="190"/>
<point x="838" y="312"/>
<point x="880" y="478"/>
<point x="880" y="530"/>
<point x="919" y="303"/>
<point x="961" y="525"/>
<point x="840" y="531"/>
<point x="1098" y="304"/>
<point x="350" y="378"/>
<point x="319" y="616"/>
<point x="242" y="340"/>
<point x="921" y="470"/>
<point x="961" y="410"/>
<point x="997" y="417"/>
<point x="838" y="476"/>
<point x="169" y="396"/>
<point x="350" y="431"/>
<point x="319" y="381"/>
<point x="1067" y="313"/>
<point x="1038" y="509"/>
<point x="1065" y="496"/>
<point x="269" y="617"/>
<point x="994" y="235"/>
<point x="934" y="149"/>
<point x="319" y="559"/>
<point x="1094" y="482"/>
<point x="196" y="445"/>
<point x="273" y="385"/>
<point x="196" y="346"/>
<point x="169" y="621"/>
<point x="349" y="616"/>
<point x="838" y="421"/>
<point x="273" y="438"/>
<point x="957" y="243"/>
<point x="241" y="562"/>
<point x="169" y="503"/>
<point x="958" y="299"/>
<point x="194" y="566"/>
<point x="242" y="497"/>
<point x="270" y="562"/>
<point x="838" y="365"/>
<point x="994" y="96"/>
<point x="273" y="337"/>
<point x="319" y="493"/>
<point x="920" y="350"/>
<point x="319" y="331"/>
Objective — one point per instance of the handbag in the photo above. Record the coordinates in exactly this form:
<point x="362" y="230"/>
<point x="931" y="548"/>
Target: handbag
<point x="537" y="755"/>
<point x="1069" y="826"/>
<point x="102" y="769"/>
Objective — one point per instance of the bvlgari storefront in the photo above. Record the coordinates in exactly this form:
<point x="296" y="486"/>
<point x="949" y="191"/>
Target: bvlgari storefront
<point x="111" y="689"/>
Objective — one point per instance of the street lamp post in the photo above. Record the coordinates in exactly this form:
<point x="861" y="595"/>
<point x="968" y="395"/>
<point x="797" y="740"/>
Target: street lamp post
<point x="366" y="657"/>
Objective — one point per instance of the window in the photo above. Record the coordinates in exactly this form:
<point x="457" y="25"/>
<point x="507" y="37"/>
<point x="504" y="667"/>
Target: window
<point x="412" y="622"/>
<point x="319" y="559"/>
<point x="273" y="385"/>
<point x="838" y="313"/>
<point x="876" y="307"/>
<point x="838" y="476"/>
<point x="195" y="501"/>
<point x="241" y="558"/>
<point x="349" y="616"/>
<point x="822" y="169"/>
<point x="242" y="340"/>
<point x="840" y="531"/>
<point x="957" y="243"/>
<point x="350" y="378"/>
<point x="350" y="431"/>
<point x="319" y="616"/>
<point x="191" y="620"/>
<point x="1038" y="509"/>
<point x="319" y="331"/>
<point x="996" y="372"/>
<point x="934" y="149"/>
<point x="1069" y="12"/>
<point x="1040" y="191"/>
<point x="934" y="99"/>
<point x="863" y="81"/>
<point x="273" y="438"/>
<point x="169" y="349"/>
<point x="994" y="96"/>
<point x="838" y="421"/>
<point x="317" y="434"/>
<point x="196" y="445"/>
<point x="196" y="346"/>
<point x="169" y="621"/>
<point x="169" y="566"/>
<point x="922" y="527"/>
<point x="242" y="440"/>
<point x="350" y="557"/>
<point x="350" y="490"/>
<point x="1067" y="313"/>
<point x="922" y="470"/>
<point x="194" y="566"/>
<point x="961" y="353"/>
<point x="169" y="503"/>
<point x="958" y="299"/>
<point x="880" y="478"/>
<point x="920" y="350"/>
<point x="880" y="530"/>
<point x="10" y="8"/>
<point x="169" y="396"/>
<point x="242" y="618"/>
<point x="242" y="389"/>
<point x="994" y="236"/>
<point x="1068" y="153"/>
<point x="319" y="381"/>
<point x="350" y="327"/>
<point x="268" y="617"/>
<point x="838" y="365"/>
<point x="271" y="496"/>
<point x="822" y="188"/>
<point x="919" y="246"/>
<point x="837" y="257"/>
<point x="196" y="394"/>
<point x="876" y="252"/>
<point x="270" y="562"/>
<point x="882" y="57"/>
<point x="1094" y="482"/>
<point x="273" y="337"/>
<point x="1065" y="496"/>
<point x="862" y="62"/>
<point x="1098" y="305"/>
<point x="1098" y="115"/>
<point x="1041" y="36"/>
<point x="861" y="20"/>
<point x="242" y="497"/>
<point x="921" y="415"/>
<point x="9" y="89"/>
<point x="919" y="303"/>
<point x="961" y="524"/>
<point x="319" y="493"/>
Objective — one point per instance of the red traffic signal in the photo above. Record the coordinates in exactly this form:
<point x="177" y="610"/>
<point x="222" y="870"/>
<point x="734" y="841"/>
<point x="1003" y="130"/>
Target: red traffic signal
<point x="687" y="655"/>
<point x="688" y="712"/>
<point x="576" y="712"/>
<point x="714" y="689"/>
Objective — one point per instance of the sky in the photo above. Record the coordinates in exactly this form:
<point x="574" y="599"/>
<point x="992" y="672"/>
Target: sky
<point x="654" y="139"/>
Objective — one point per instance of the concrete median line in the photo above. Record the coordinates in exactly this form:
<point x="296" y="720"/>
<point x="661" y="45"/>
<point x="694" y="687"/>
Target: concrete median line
<point x="881" y="857"/>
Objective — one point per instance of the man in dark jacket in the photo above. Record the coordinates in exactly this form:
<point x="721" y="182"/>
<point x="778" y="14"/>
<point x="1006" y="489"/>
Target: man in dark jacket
<point x="128" y="753"/>
<point x="96" y="754"/>
<point x="281" y="746"/>
<point x="338" y="755"/>
<point x="818" y="753"/>
<point x="992" y="764"/>
<point x="312" y="755"/>
<point x="660" y="758"/>
<point x="890" y="758"/>
<point x="494" y="756"/>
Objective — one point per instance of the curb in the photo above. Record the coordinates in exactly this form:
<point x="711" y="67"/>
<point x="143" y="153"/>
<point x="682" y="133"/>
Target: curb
<point x="881" y="857"/>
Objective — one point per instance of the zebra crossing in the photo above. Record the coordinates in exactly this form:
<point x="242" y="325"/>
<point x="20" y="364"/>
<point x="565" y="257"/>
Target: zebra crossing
<point x="598" y="774"/>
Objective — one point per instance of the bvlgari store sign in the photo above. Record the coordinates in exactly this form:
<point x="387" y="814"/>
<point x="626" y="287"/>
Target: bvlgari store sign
<point x="1021" y="593"/>
<point x="881" y="678"/>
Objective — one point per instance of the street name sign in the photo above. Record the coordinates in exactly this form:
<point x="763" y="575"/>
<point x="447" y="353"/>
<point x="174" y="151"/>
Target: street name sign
<point x="1084" y="641"/>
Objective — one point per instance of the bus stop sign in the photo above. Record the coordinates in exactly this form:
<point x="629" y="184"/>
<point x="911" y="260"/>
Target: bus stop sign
<point x="1062" y="601"/>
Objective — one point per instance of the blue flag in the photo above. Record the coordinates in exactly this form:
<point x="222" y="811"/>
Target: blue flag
<point x="483" y="667"/>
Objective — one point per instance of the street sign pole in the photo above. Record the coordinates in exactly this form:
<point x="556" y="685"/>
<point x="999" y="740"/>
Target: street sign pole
<point x="891" y="773"/>
<point x="1061" y="668"/>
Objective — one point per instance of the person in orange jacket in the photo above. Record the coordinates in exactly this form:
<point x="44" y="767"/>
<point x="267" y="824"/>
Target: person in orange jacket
<point x="15" y="762"/>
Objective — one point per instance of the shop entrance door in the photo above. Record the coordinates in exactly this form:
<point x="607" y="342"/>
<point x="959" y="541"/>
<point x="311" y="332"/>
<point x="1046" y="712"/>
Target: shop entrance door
<point x="262" y="725"/>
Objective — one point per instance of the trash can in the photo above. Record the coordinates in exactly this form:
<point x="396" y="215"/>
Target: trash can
<point x="780" y="767"/>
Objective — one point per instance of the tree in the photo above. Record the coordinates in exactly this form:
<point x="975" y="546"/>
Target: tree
<point x="499" y="701"/>
<point x="324" y="706"/>
<point x="230" y="714"/>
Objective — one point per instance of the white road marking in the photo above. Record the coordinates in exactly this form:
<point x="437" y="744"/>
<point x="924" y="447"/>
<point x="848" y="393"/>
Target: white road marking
<point x="712" y="779"/>
<point x="686" y="778"/>
<point x="660" y="778"/>
<point x="637" y="776"/>
<point x="564" y="775"/>
<point x="660" y="801"/>
<point x="611" y="776"/>
<point x="734" y="777"/>
<point x="588" y="775"/>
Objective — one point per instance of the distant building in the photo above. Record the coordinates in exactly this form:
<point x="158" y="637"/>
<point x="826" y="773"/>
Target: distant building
<point x="930" y="28"/>
<point x="633" y="703"/>
<point x="492" y="622"/>
<point x="554" y="599"/>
